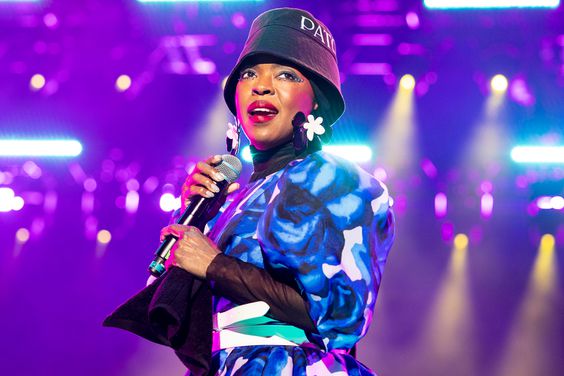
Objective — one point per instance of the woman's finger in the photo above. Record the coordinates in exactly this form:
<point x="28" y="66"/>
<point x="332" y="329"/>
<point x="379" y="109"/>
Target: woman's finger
<point x="208" y="170"/>
<point x="214" y="160"/>
<point x="206" y="182"/>
<point x="174" y="229"/>
<point x="199" y="190"/>
<point x="233" y="187"/>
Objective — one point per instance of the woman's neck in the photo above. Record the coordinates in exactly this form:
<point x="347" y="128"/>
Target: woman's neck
<point x="266" y="162"/>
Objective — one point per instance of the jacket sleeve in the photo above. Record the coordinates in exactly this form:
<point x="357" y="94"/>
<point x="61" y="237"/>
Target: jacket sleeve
<point x="242" y="283"/>
<point x="330" y="226"/>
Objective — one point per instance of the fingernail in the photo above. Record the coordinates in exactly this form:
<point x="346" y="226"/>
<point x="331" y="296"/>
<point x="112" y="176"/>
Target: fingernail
<point x="214" y="188"/>
<point x="217" y="176"/>
<point x="209" y="194"/>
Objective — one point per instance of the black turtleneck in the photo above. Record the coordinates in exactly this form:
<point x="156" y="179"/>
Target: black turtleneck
<point x="266" y="162"/>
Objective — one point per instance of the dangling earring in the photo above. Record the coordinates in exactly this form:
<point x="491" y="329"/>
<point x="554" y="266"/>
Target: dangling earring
<point x="232" y="137"/>
<point x="299" y="133"/>
<point x="305" y="132"/>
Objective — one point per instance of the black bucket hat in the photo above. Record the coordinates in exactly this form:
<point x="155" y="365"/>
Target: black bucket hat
<point x="295" y="36"/>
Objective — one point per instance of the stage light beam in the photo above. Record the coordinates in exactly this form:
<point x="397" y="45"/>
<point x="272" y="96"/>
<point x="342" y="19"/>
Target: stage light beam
<point x="527" y="347"/>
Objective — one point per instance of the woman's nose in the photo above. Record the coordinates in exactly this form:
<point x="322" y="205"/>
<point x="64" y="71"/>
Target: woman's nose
<point x="263" y="87"/>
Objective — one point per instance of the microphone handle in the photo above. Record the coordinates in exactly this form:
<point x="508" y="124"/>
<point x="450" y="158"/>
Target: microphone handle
<point x="192" y="216"/>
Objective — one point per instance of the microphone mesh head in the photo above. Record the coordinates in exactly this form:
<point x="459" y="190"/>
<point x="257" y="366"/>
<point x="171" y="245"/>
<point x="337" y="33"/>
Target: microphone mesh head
<point x="230" y="167"/>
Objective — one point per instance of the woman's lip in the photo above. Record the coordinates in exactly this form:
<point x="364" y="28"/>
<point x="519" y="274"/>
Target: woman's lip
<point x="261" y="118"/>
<point x="261" y="104"/>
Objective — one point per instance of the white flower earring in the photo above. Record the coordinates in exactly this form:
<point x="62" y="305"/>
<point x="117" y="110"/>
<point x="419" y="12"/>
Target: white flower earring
<point x="232" y="137"/>
<point x="314" y="126"/>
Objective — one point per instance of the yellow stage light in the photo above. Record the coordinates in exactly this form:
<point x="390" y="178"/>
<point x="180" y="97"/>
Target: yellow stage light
<point x="22" y="235"/>
<point x="460" y="241"/>
<point x="123" y="82"/>
<point x="104" y="237"/>
<point x="37" y="82"/>
<point x="499" y="83"/>
<point x="407" y="82"/>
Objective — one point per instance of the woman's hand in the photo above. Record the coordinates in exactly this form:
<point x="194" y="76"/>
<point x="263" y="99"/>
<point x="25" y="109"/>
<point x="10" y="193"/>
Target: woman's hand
<point x="202" y="181"/>
<point x="192" y="252"/>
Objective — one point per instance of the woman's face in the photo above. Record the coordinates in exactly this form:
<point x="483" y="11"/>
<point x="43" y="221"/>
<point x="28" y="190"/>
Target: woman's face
<point x="267" y="98"/>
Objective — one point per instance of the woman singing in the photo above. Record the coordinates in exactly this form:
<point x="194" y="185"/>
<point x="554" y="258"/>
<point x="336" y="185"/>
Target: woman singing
<point x="295" y="257"/>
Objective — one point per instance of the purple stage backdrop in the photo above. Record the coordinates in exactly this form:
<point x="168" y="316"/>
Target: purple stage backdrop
<point x="474" y="282"/>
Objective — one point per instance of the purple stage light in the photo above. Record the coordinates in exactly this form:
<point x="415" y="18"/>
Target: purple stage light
<point x="486" y="186"/>
<point x="50" y="202"/>
<point x="32" y="169"/>
<point x="132" y="202"/>
<point x="372" y="39"/>
<point x="50" y="20"/>
<point x="132" y="185"/>
<point x="77" y="173"/>
<point x="6" y="178"/>
<point x="87" y="202"/>
<point x="375" y="69"/>
<point x="150" y="184"/>
<point x="486" y="205"/>
<point x="440" y="205"/>
<point x="90" y="185"/>
<point x="429" y="168"/>
<point x="90" y="227"/>
<point x="447" y="231"/>
<point x="410" y="49"/>
<point x="37" y="226"/>
<point x="239" y="21"/>
<point x="377" y="20"/>
<point x="412" y="20"/>
<point x="520" y="93"/>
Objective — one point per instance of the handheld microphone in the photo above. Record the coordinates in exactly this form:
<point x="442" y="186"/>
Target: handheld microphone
<point x="199" y="211"/>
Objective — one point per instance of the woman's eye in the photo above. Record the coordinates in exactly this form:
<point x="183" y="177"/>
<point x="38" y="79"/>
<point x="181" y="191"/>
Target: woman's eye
<point x="290" y="76"/>
<point x="246" y="74"/>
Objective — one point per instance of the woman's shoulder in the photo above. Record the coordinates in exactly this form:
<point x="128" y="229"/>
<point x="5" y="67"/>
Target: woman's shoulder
<point x="324" y="174"/>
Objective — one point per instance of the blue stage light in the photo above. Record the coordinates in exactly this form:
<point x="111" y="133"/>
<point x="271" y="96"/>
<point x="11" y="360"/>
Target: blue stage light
<point x="39" y="148"/>
<point x="484" y="4"/>
<point x="354" y="153"/>
<point x="538" y="154"/>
